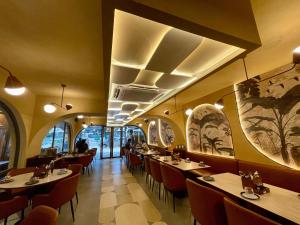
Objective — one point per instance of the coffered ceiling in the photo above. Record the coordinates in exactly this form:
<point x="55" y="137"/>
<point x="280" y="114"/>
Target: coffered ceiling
<point x="151" y="61"/>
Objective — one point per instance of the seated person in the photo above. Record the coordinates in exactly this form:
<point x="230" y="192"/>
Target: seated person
<point x="128" y="144"/>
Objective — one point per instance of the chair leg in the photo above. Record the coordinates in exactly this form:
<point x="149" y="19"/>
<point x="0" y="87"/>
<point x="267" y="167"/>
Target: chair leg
<point x="59" y="210"/>
<point x="173" y="202"/>
<point x="88" y="170"/>
<point x="22" y="214"/>
<point x="153" y="185"/>
<point x="76" y="197"/>
<point x="158" y="190"/>
<point x="195" y="221"/>
<point x="72" y="210"/>
<point x="5" y="221"/>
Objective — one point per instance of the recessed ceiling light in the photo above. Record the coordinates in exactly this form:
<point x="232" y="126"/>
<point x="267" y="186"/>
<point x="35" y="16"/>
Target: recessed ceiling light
<point x="80" y="116"/>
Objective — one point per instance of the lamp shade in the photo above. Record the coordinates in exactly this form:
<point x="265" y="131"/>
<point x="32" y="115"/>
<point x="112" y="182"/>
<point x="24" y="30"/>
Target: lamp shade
<point x="13" y="86"/>
<point x="296" y="55"/>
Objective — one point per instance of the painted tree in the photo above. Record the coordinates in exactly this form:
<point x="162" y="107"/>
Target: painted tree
<point x="279" y="107"/>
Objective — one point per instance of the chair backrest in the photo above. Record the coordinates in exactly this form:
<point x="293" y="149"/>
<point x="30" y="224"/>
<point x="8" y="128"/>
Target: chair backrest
<point x="41" y="215"/>
<point x="134" y="159"/>
<point x="64" y="191"/>
<point x="12" y="206"/>
<point x="85" y="160"/>
<point x="15" y="172"/>
<point x="173" y="179"/>
<point x="147" y="164"/>
<point x="155" y="170"/>
<point x="206" y="204"/>
<point x="76" y="168"/>
<point x="237" y="215"/>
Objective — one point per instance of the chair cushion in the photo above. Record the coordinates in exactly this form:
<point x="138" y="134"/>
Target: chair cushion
<point x="275" y="175"/>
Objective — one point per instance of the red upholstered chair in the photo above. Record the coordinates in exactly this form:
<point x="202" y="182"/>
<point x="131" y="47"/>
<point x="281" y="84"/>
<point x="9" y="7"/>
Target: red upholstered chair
<point x="134" y="162"/>
<point x="41" y="215"/>
<point x="76" y="168"/>
<point x="85" y="161"/>
<point x="62" y="193"/>
<point x="147" y="169"/>
<point x="12" y="206"/>
<point x="206" y="204"/>
<point x="173" y="180"/>
<point x="156" y="174"/>
<point x="238" y="215"/>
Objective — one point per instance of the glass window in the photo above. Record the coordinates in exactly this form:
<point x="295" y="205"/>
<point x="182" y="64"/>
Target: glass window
<point x="136" y="134"/>
<point x="9" y="140"/>
<point x="58" y="137"/>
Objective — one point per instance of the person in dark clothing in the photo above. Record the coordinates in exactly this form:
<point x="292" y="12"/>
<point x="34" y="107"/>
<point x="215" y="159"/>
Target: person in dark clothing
<point x="81" y="145"/>
<point x="128" y="144"/>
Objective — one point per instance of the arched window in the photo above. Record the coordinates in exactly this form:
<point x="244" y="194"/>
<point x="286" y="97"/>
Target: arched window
<point x="58" y="137"/>
<point x="9" y="139"/>
<point x="133" y="132"/>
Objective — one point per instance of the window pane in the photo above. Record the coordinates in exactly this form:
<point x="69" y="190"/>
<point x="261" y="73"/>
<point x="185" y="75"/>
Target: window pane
<point x="59" y="136"/>
<point x="67" y="137"/>
<point x="47" y="142"/>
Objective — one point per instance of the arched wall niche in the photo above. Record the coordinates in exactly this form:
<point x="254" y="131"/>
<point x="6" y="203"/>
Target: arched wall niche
<point x="208" y="131"/>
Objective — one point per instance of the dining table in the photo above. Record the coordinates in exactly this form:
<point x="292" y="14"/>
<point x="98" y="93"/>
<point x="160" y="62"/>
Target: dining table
<point x="19" y="181"/>
<point x="183" y="164"/>
<point x="280" y="202"/>
<point x="148" y="153"/>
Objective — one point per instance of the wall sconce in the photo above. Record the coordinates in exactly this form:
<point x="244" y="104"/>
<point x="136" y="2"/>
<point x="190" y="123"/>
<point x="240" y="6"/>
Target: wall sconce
<point x="84" y="125"/>
<point x="80" y="116"/>
<point x="296" y="55"/>
<point x="188" y="112"/>
<point x="51" y="107"/>
<point x="166" y="112"/>
<point x="152" y="122"/>
<point x="13" y="86"/>
<point x="219" y="104"/>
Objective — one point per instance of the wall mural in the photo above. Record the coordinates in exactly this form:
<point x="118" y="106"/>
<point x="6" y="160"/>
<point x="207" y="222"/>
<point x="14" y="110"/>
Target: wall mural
<point x="153" y="133"/>
<point x="208" y="131"/>
<point x="269" y="111"/>
<point x="166" y="133"/>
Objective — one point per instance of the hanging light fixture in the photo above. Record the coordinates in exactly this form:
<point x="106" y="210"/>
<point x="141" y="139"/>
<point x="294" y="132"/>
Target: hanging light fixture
<point x="51" y="107"/>
<point x="13" y="86"/>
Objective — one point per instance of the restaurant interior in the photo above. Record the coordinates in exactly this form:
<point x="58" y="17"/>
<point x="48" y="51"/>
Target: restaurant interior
<point x="148" y="112"/>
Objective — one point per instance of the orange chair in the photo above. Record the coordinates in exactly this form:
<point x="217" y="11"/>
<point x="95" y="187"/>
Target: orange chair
<point x="76" y="168"/>
<point x="85" y="161"/>
<point x="63" y="192"/>
<point x="147" y="169"/>
<point x="173" y="181"/>
<point x="41" y="215"/>
<point x="156" y="174"/>
<point x="134" y="162"/>
<point x="12" y="206"/>
<point x="206" y="204"/>
<point x="238" y="215"/>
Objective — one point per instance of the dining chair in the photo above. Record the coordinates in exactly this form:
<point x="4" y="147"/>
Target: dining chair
<point x="85" y="161"/>
<point x="134" y="162"/>
<point x="63" y="192"/>
<point x="206" y="204"/>
<point x="173" y="180"/>
<point x="41" y="215"/>
<point x="238" y="215"/>
<point x="156" y="174"/>
<point x="11" y="206"/>
<point x="76" y="168"/>
<point x="147" y="169"/>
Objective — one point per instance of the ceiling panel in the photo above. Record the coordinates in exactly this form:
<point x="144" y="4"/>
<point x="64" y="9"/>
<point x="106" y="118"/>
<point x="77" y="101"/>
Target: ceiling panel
<point x="172" y="50"/>
<point x="129" y="106"/>
<point x="147" y="77"/>
<point x="208" y="53"/>
<point x="123" y="75"/>
<point x="138" y="48"/>
<point x="168" y="81"/>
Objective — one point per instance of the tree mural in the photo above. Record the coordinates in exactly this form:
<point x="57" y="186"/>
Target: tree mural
<point x="268" y="110"/>
<point x="208" y="131"/>
<point x="167" y="133"/>
<point x="153" y="133"/>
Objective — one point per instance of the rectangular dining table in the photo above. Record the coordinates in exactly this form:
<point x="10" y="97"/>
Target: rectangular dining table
<point x="182" y="165"/>
<point x="279" y="201"/>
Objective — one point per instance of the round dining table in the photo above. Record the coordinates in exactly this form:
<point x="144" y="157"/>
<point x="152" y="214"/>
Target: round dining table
<point x="19" y="181"/>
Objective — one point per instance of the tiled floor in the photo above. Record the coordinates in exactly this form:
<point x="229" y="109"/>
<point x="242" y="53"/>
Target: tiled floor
<point x="111" y="195"/>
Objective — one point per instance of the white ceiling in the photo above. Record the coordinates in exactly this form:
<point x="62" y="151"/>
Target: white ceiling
<point x="152" y="61"/>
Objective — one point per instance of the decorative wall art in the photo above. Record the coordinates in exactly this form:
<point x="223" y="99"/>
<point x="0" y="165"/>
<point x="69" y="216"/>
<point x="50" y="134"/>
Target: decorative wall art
<point x="208" y="131"/>
<point x="166" y="133"/>
<point x="153" y="133"/>
<point x="269" y="112"/>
